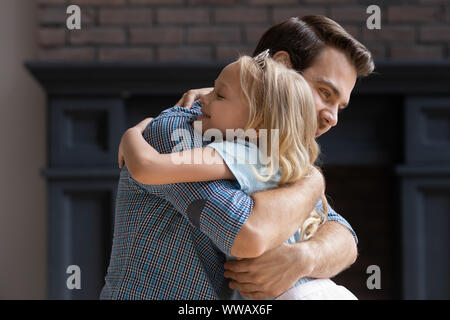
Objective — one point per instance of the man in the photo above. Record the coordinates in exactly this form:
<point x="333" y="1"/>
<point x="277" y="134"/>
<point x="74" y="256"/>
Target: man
<point x="169" y="240"/>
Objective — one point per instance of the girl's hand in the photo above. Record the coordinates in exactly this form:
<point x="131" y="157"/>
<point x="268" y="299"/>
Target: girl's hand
<point x="191" y="96"/>
<point x="143" y="124"/>
<point x="120" y="156"/>
<point x="141" y="127"/>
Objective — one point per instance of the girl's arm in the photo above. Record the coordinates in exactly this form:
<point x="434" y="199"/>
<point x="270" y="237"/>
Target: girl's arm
<point x="148" y="166"/>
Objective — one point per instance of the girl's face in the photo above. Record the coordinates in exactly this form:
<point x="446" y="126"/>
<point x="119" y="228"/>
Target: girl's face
<point x="225" y="107"/>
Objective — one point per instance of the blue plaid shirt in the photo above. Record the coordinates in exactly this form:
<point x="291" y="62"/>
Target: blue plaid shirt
<point x="169" y="240"/>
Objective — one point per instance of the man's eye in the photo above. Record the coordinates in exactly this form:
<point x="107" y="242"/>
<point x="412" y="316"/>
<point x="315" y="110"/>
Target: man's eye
<point x="325" y="93"/>
<point x="219" y="96"/>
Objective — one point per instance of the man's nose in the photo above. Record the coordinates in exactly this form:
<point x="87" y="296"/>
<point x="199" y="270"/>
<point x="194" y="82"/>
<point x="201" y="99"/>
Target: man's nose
<point x="331" y="116"/>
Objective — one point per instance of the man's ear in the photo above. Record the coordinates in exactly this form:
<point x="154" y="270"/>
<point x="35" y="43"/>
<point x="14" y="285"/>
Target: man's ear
<point x="283" y="57"/>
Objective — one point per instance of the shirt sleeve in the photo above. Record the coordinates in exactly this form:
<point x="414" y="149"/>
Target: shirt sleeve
<point x="218" y="208"/>
<point x="334" y="216"/>
<point x="242" y="158"/>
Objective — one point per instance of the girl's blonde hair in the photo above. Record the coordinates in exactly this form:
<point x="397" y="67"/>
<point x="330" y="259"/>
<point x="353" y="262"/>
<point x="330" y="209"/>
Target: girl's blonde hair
<point x="280" y="98"/>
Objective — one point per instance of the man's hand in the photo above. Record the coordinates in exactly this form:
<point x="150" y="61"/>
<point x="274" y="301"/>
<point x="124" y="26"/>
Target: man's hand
<point x="192" y="95"/>
<point x="272" y="273"/>
<point x="331" y="250"/>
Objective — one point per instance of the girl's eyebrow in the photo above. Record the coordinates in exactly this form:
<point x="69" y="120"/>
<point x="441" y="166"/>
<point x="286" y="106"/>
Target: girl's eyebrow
<point x="217" y="81"/>
<point x="221" y="83"/>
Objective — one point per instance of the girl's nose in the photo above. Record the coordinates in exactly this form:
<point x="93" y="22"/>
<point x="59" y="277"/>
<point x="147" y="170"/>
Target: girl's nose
<point x="203" y="99"/>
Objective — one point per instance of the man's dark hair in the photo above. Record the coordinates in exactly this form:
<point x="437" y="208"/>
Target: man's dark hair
<point x="305" y="38"/>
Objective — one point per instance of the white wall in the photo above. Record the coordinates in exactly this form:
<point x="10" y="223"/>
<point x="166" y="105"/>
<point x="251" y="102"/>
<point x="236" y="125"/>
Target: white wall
<point x="23" y="213"/>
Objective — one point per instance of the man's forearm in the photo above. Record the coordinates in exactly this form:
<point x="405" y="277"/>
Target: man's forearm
<point x="278" y="213"/>
<point x="332" y="249"/>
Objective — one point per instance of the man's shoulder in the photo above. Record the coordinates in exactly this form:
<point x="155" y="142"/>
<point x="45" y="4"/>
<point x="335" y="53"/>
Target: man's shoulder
<point x="177" y="111"/>
<point x="174" y="117"/>
<point x="174" y="126"/>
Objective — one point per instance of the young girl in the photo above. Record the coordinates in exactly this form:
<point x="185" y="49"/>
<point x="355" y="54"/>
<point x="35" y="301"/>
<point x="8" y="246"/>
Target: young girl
<point x="268" y="108"/>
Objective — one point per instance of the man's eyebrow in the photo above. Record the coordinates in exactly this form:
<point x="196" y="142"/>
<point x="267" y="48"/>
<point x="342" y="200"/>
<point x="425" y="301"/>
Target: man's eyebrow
<point x="333" y="87"/>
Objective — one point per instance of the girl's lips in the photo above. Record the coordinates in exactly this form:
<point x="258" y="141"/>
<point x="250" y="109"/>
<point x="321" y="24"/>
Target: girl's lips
<point x="204" y="114"/>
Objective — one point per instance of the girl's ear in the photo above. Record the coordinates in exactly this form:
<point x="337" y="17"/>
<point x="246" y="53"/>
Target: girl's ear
<point x="283" y="57"/>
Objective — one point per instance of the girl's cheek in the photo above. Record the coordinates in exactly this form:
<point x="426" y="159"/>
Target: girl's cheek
<point x="213" y="109"/>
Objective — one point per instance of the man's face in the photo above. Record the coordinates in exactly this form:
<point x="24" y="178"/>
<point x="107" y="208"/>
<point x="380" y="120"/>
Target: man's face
<point x="331" y="78"/>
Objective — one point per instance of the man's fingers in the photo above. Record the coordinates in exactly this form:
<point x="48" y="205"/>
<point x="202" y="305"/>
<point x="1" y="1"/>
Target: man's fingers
<point x="244" y="287"/>
<point x="254" y="295"/>
<point x="238" y="265"/>
<point x="237" y="276"/>
<point x="259" y="294"/>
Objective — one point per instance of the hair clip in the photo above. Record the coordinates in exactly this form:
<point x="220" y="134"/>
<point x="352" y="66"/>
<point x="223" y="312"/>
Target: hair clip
<point x="261" y="58"/>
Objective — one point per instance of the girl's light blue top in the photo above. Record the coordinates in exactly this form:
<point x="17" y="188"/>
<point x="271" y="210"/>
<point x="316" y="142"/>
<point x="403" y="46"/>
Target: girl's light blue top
<point x="240" y="155"/>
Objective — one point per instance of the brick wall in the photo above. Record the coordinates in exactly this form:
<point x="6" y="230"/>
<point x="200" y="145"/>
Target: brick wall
<point x="162" y="30"/>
